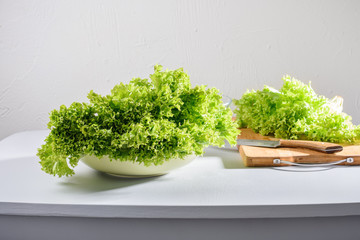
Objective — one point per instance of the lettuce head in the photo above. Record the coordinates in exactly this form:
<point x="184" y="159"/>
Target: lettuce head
<point x="147" y="121"/>
<point x="295" y="112"/>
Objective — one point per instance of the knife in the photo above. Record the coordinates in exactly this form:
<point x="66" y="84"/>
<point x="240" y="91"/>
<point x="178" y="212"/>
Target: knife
<point x="313" y="145"/>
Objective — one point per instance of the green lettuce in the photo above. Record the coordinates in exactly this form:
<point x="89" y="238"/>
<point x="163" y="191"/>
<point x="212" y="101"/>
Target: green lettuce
<point x="144" y="121"/>
<point x="295" y="112"/>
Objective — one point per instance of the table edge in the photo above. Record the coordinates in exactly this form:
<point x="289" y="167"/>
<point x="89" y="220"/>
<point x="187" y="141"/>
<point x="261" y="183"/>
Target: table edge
<point x="181" y="212"/>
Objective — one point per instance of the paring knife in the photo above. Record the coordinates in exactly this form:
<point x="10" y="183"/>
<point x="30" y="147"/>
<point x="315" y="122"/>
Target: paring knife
<point x="313" y="145"/>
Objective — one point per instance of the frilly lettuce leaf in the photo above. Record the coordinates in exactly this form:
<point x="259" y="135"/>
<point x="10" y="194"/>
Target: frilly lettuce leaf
<point x="295" y="112"/>
<point x="144" y="121"/>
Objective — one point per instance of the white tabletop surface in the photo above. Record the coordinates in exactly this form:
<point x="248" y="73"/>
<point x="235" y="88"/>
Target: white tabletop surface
<point x="216" y="185"/>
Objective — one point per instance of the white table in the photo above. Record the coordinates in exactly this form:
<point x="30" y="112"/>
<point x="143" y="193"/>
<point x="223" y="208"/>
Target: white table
<point x="213" y="197"/>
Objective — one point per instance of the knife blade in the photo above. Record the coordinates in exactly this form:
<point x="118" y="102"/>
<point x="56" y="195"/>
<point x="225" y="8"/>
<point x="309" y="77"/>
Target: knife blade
<point x="313" y="145"/>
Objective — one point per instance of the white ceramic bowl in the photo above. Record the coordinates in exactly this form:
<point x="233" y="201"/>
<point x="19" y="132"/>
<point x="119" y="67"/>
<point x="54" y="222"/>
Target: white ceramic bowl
<point x="130" y="169"/>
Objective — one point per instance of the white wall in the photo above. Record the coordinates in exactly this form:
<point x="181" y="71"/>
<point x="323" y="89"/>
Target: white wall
<point x="55" y="52"/>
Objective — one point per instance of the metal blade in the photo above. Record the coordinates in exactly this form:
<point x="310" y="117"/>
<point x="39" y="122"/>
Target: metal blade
<point x="258" y="143"/>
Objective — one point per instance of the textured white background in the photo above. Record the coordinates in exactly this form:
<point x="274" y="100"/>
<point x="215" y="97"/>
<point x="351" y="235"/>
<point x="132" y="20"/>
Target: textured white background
<point x="55" y="52"/>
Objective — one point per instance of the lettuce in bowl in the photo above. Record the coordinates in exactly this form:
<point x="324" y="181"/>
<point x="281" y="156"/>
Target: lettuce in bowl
<point x="145" y="121"/>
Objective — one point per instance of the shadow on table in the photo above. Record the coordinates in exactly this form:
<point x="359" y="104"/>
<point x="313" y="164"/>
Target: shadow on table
<point x="98" y="182"/>
<point x="26" y="173"/>
<point x="231" y="158"/>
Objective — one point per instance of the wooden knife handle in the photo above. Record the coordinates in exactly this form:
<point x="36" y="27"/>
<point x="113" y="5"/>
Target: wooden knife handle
<point x="313" y="145"/>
